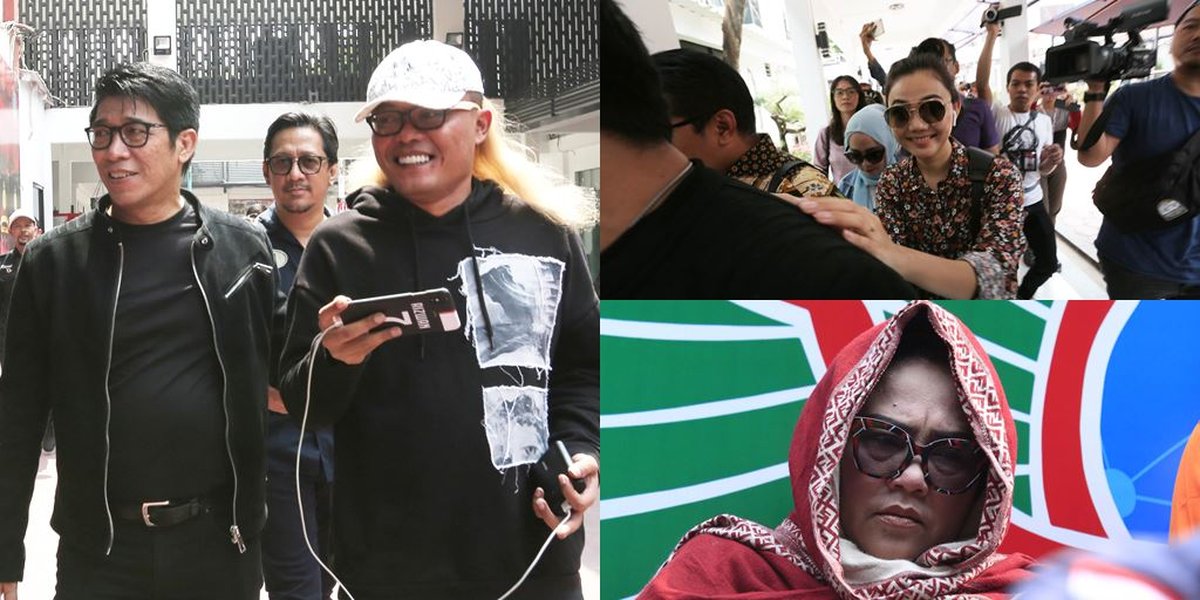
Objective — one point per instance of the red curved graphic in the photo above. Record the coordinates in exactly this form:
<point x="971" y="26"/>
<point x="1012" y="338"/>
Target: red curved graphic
<point x="836" y="323"/>
<point x="1066" y="491"/>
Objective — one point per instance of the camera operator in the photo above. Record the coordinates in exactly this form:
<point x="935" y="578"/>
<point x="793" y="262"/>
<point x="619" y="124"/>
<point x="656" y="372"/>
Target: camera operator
<point x="1148" y="119"/>
<point x="1027" y="139"/>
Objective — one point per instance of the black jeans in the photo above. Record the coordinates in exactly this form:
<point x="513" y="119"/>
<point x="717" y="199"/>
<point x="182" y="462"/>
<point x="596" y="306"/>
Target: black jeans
<point x="1124" y="284"/>
<point x="1039" y="233"/>
<point x="192" y="560"/>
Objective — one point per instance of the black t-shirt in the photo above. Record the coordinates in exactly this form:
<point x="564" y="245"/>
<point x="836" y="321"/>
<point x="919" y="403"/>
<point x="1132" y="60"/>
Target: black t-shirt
<point x="167" y="429"/>
<point x="714" y="237"/>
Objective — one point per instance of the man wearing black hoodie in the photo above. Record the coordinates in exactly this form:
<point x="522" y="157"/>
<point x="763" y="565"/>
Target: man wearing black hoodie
<point x="439" y="435"/>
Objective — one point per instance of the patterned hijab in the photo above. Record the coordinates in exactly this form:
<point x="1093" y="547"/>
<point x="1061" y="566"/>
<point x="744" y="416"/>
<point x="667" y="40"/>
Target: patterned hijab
<point x="730" y="557"/>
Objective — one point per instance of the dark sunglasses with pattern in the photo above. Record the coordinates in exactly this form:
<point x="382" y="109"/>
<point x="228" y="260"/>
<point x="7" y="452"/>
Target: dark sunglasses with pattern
<point x="883" y="450"/>
<point x="931" y="110"/>
<point x="309" y="164"/>
<point x="869" y="156"/>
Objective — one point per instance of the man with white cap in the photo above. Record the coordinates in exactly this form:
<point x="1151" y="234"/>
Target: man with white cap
<point x="23" y="227"/>
<point x="440" y="437"/>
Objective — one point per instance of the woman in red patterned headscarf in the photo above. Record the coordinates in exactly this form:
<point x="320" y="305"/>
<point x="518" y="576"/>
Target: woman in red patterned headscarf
<point x="902" y="477"/>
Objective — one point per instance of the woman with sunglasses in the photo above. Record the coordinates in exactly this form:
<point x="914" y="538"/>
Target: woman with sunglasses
<point x="902" y="467"/>
<point x="871" y="147"/>
<point x="929" y="226"/>
<point x="846" y="98"/>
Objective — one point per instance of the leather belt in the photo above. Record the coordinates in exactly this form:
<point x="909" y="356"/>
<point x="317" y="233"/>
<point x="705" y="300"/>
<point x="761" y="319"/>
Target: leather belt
<point x="162" y="513"/>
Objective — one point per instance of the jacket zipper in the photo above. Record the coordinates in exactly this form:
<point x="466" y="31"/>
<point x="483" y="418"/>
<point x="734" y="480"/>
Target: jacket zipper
<point x="112" y="329"/>
<point x="246" y="273"/>
<point x="235" y="534"/>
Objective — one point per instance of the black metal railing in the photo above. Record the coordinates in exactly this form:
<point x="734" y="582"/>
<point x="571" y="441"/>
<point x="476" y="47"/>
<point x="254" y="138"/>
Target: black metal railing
<point x="539" y="56"/>
<point x="71" y="60"/>
<point x="298" y="62"/>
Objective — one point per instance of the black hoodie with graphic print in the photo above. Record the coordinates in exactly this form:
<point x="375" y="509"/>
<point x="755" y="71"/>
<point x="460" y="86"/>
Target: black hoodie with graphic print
<point x="435" y="433"/>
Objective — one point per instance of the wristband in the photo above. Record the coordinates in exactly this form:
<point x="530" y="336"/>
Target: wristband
<point x="1094" y="97"/>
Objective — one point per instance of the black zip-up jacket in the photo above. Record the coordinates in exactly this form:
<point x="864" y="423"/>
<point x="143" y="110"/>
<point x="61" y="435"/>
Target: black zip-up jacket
<point x="59" y="346"/>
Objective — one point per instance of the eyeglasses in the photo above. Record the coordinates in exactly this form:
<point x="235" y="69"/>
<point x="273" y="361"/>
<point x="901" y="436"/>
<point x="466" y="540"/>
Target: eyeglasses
<point x="871" y="156"/>
<point x="692" y="121"/>
<point x="390" y="122"/>
<point x="841" y="92"/>
<point x="309" y="164"/>
<point x="884" y="450"/>
<point x="134" y="135"/>
<point x="931" y="111"/>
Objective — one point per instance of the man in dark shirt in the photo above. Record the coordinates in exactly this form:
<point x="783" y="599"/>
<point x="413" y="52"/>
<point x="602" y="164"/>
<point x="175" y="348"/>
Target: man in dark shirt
<point x="670" y="228"/>
<point x="300" y="162"/>
<point x="712" y="119"/>
<point x="145" y="325"/>
<point x="22" y="226"/>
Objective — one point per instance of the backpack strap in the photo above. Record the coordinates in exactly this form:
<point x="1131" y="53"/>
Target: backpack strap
<point x="782" y="172"/>
<point x="979" y="163"/>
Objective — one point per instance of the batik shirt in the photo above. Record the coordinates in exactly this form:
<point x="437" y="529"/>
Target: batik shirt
<point x="758" y="165"/>
<point x="942" y="222"/>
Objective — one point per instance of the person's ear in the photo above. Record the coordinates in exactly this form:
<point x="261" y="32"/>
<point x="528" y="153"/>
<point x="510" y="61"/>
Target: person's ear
<point x="724" y="125"/>
<point x="185" y="145"/>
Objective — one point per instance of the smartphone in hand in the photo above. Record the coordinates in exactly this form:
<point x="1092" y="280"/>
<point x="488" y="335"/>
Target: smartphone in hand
<point x="428" y="311"/>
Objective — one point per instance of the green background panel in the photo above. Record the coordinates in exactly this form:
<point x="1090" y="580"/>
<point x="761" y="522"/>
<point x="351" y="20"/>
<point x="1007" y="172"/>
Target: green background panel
<point x="1018" y="385"/>
<point x="1003" y="323"/>
<point x="647" y="539"/>
<point x="1021" y="495"/>
<point x="1022" y="442"/>
<point x="707" y="312"/>
<point x="701" y="450"/>
<point x="638" y="375"/>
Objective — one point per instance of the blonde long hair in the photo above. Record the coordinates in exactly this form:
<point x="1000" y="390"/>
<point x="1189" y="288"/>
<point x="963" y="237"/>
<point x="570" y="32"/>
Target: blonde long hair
<point x="511" y="164"/>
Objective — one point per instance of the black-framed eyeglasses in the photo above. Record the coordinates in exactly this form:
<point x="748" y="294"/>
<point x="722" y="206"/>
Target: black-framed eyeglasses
<point x="390" y="122"/>
<point x="309" y="164"/>
<point x="839" y="92"/>
<point x="883" y="450"/>
<point x="870" y="156"/>
<point x="133" y="135"/>
<point x="932" y="110"/>
<point x="692" y="121"/>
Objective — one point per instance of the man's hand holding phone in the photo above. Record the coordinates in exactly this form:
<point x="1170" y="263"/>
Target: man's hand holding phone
<point x="351" y="343"/>
<point x="583" y="468"/>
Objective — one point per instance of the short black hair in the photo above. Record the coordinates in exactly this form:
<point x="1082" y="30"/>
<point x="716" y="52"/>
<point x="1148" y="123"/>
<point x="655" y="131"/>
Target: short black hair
<point x="697" y="85"/>
<point x="936" y="46"/>
<point x="294" y="119"/>
<point x="921" y="62"/>
<point x="632" y="105"/>
<point x="1025" y="67"/>
<point x="165" y="90"/>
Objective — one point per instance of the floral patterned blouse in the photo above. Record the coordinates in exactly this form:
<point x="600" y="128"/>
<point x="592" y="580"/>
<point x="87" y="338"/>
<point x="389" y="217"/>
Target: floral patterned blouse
<point x="941" y="222"/>
<point x="758" y="165"/>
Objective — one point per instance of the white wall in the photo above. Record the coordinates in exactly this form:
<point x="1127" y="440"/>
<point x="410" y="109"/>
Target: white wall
<point x="160" y="21"/>
<point x="448" y="15"/>
<point x="36" y="166"/>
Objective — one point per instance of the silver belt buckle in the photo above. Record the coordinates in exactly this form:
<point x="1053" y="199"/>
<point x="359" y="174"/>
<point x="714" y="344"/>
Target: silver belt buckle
<point x="146" y="511"/>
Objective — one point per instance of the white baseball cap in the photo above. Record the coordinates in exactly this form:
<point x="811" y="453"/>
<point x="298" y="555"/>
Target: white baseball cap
<point x="21" y="213"/>
<point x="424" y="73"/>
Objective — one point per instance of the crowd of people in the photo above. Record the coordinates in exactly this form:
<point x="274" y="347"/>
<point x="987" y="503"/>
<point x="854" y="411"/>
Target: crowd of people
<point x="952" y="188"/>
<point x="201" y="366"/>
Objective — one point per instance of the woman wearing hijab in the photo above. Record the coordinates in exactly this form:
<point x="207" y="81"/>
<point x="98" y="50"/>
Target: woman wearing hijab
<point x="870" y="146"/>
<point x="869" y="519"/>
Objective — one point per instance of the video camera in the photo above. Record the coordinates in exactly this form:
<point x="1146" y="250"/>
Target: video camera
<point x="994" y="14"/>
<point x="1080" y="58"/>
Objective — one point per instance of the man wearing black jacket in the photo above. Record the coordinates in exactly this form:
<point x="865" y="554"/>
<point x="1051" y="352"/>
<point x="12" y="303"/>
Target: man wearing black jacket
<point x="145" y="326"/>
<point x="439" y="436"/>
